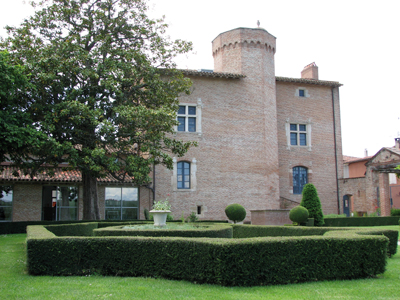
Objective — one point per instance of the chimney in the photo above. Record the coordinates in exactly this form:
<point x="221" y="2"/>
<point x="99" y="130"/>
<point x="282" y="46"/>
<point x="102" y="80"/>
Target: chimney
<point x="310" y="72"/>
<point x="365" y="152"/>
<point x="397" y="143"/>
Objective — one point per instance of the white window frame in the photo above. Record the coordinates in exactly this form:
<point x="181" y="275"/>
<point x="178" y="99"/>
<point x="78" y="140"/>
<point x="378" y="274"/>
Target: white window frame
<point x="187" y="116"/>
<point x="306" y="93"/>
<point x="308" y="124"/>
<point x="193" y="180"/>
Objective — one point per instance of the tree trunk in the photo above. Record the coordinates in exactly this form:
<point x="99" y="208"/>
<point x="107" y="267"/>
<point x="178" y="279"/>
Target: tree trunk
<point x="90" y="198"/>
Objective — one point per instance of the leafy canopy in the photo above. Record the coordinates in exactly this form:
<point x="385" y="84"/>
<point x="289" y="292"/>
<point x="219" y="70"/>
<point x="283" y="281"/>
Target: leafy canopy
<point x="103" y="86"/>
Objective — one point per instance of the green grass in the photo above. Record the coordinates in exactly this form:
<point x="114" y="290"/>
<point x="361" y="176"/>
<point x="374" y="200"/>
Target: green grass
<point x="15" y="283"/>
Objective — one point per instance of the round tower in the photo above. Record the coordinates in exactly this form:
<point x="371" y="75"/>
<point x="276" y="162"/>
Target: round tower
<point x="250" y="52"/>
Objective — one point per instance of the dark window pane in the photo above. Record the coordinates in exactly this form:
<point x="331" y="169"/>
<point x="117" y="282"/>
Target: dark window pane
<point x="293" y="138"/>
<point x="293" y="127"/>
<point x="192" y="124"/>
<point x="299" y="179"/>
<point x="183" y="180"/>
<point x="129" y="213"/>
<point x="182" y="110"/>
<point x="301" y="93"/>
<point x="181" y="126"/>
<point x="113" y="213"/>
<point x="303" y="140"/>
<point x="302" y="127"/>
<point x="191" y="110"/>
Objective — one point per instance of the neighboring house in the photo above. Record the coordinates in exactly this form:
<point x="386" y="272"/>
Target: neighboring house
<point x="370" y="184"/>
<point x="261" y="138"/>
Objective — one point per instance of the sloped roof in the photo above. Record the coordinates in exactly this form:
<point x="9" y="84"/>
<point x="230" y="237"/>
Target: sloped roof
<point x="352" y="159"/>
<point x="61" y="174"/>
<point x="308" y="81"/>
<point x="211" y="73"/>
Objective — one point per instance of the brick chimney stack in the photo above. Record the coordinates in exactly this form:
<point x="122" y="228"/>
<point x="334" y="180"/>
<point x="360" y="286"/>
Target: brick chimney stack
<point x="310" y="72"/>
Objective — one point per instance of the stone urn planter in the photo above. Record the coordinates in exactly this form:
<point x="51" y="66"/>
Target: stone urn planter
<point x="160" y="211"/>
<point x="160" y="217"/>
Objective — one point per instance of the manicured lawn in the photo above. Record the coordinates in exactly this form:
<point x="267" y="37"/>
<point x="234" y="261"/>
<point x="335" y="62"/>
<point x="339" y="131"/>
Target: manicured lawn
<point x="15" y="283"/>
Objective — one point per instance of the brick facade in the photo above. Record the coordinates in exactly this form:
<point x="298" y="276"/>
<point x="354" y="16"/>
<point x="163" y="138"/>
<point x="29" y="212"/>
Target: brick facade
<point x="244" y="155"/>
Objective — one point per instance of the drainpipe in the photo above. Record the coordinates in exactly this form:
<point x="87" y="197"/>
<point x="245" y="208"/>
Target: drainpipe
<point x="335" y="144"/>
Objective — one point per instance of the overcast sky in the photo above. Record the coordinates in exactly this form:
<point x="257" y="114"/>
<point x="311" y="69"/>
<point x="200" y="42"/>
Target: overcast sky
<point x="354" y="42"/>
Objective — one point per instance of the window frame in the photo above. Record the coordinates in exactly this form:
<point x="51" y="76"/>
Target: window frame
<point x="192" y="175"/>
<point x="306" y="134"/>
<point x="121" y="207"/>
<point x="298" y="183"/>
<point x="7" y="206"/>
<point x="183" y="167"/>
<point x="189" y="118"/>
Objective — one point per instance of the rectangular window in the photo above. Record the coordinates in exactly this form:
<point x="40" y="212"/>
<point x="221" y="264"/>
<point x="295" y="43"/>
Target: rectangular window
<point x="298" y="134"/>
<point x="183" y="172"/>
<point x="6" y="203"/>
<point x="187" y="118"/>
<point x="302" y="93"/>
<point x="121" y="203"/>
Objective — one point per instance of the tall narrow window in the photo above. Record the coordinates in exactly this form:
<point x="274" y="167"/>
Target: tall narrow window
<point x="300" y="178"/>
<point x="187" y="118"/>
<point x="183" y="172"/>
<point x="6" y="199"/>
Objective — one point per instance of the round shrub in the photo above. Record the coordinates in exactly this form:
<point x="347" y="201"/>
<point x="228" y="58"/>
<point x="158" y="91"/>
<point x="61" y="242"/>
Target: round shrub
<point x="235" y="212"/>
<point x="298" y="214"/>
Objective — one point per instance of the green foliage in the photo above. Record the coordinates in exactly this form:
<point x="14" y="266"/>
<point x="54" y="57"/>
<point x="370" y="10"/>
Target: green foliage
<point x="334" y="216"/>
<point x="170" y="218"/>
<point x="162" y="205"/>
<point x="235" y="212"/>
<point x="104" y="89"/>
<point x="346" y="255"/>
<point x="362" y="221"/>
<point x="178" y="230"/>
<point x="298" y="214"/>
<point x="192" y="217"/>
<point x="394" y="212"/>
<point x="310" y="200"/>
<point x="146" y="214"/>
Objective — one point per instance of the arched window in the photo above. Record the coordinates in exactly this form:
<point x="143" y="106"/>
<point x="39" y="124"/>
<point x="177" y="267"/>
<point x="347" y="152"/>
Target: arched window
<point x="300" y="178"/>
<point x="183" y="172"/>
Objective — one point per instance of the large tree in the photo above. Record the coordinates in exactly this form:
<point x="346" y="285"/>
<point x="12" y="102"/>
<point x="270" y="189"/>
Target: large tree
<point x="105" y="88"/>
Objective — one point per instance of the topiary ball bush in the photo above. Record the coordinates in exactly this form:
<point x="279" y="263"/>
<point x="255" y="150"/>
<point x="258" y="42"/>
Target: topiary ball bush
<point x="235" y="212"/>
<point x="298" y="214"/>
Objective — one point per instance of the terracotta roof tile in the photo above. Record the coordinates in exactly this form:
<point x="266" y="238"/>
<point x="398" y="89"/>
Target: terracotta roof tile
<point x="211" y="73"/>
<point x="309" y="81"/>
<point x="60" y="175"/>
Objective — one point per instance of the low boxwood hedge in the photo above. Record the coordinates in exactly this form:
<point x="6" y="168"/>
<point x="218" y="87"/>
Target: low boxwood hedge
<point x="361" y="221"/>
<point x="245" y="262"/>
<point x="246" y="231"/>
<point x="204" y="230"/>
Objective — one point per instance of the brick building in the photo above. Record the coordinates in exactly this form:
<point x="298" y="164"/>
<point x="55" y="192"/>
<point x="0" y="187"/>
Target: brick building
<point x="370" y="184"/>
<point x="260" y="139"/>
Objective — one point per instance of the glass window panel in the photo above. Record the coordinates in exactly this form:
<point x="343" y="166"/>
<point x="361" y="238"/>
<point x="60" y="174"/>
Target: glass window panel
<point x="192" y="124"/>
<point x="293" y="138"/>
<point x="129" y="194"/>
<point x="187" y="185"/>
<point x="113" y="213"/>
<point x="187" y="178"/>
<point x="303" y="140"/>
<point x="129" y="213"/>
<point x="130" y="203"/>
<point x="301" y="93"/>
<point x="181" y="126"/>
<point x="113" y="193"/>
<point x="293" y="127"/>
<point x="299" y="179"/>
<point x="179" y="177"/>
<point x="302" y="127"/>
<point x="67" y="213"/>
<point x="191" y="110"/>
<point x="182" y="110"/>
<point x="5" y="213"/>
<point x="180" y="185"/>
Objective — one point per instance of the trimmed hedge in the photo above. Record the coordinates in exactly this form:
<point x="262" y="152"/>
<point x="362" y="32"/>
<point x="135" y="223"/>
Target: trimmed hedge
<point x="361" y="221"/>
<point x="247" y="231"/>
<point x="212" y="231"/>
<point x="231" y="262"/>
<point x="258" y="261"/>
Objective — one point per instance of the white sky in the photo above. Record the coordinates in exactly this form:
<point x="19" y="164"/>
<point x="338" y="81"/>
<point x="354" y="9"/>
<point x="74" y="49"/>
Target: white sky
<point x="354" y="42"/>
